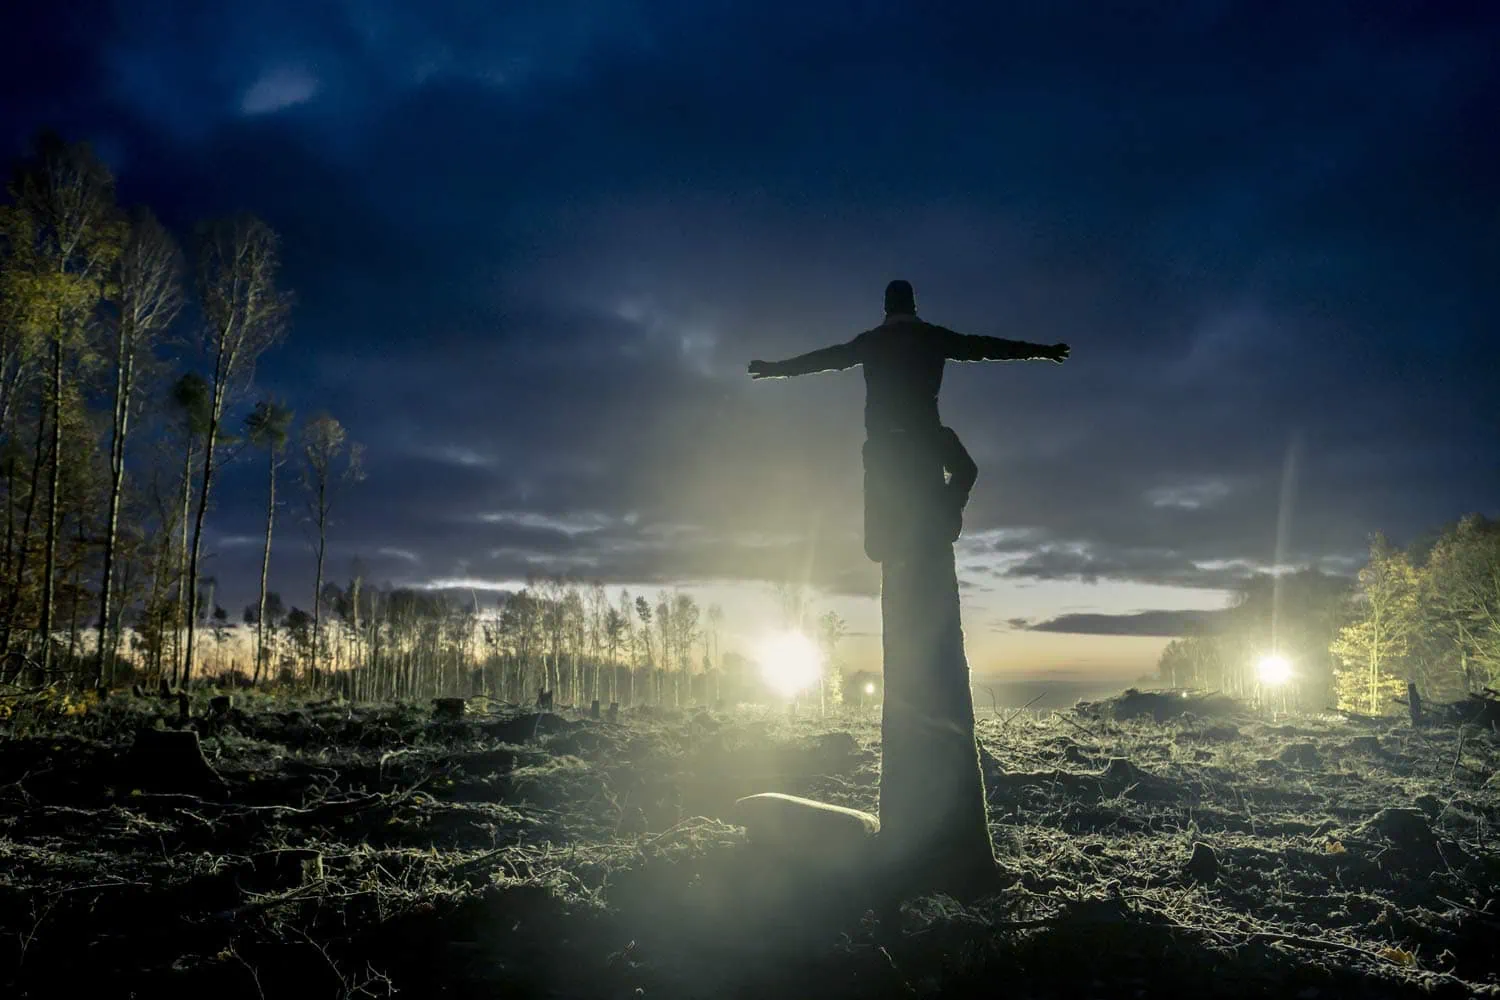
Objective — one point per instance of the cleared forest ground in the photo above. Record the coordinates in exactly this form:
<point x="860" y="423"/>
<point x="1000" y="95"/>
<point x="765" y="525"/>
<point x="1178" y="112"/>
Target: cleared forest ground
<point x="360" y="850"/>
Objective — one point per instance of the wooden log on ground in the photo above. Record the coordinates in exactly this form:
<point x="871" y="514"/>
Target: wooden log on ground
<point x="802" y="831"/>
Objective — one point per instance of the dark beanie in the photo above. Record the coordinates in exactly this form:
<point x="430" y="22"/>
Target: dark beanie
<point x="900" y="299"/>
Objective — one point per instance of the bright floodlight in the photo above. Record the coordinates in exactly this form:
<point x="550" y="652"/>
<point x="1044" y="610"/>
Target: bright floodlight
<point x="1274" y="670"/>
<point x="870" y="687"/>
<point x="789" y="661"/>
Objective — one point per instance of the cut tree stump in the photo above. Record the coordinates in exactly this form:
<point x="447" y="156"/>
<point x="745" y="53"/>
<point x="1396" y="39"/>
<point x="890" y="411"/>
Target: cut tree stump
<point x="1203" y="866"/>
<point x="448" y="708"/>
<point x="594" y="709"/>
<point x="1414" y="704"/>
<point x="170" y="760"/>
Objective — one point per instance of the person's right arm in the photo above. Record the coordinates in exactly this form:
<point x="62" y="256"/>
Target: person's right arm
<point x="827" y="359"/>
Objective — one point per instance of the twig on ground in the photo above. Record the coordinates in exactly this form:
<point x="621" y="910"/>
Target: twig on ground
<point x="1453" y="771"/>
<point x="1011" y="718"/>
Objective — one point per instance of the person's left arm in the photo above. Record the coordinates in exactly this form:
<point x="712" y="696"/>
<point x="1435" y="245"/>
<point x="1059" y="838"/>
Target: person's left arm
<point x="969" y="347"/>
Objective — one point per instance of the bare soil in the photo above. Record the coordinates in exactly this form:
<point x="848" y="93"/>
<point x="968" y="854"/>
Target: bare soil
<point x="331" y="850"/>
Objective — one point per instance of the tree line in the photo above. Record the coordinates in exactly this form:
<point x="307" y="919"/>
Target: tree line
<point x="575" y="640"/>
<point x="123" y="364"/>
<point x="1427" y="614"/>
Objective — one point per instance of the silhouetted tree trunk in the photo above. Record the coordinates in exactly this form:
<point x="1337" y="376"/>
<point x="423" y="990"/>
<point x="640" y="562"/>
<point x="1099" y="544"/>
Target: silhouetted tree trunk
<point x="54" y="482"/>
<point x="149" y="299"/>
<point x="242" y="312"/>
<point x="39" y="450"/>
<point x="265" y="569"/>
<point x="324" y="442"/>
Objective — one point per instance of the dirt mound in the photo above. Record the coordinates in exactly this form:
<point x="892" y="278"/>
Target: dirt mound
<point x="1159" y="706"/>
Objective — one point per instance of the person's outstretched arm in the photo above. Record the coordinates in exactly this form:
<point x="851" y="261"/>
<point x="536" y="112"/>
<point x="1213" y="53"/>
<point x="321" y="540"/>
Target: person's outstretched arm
<point x="827" y="359"/>
<point x="968" y="347"/>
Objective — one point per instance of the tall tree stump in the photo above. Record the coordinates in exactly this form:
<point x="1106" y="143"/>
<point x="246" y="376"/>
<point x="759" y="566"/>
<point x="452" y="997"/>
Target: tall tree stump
<point x="932" y="804"/>
<point x="933" y="817"/>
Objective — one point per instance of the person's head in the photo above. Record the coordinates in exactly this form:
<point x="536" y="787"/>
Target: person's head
<point x="900" y="300"/>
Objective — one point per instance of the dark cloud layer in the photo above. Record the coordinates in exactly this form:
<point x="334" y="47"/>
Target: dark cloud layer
<point x="534" y="249"/>
<point x="1146" y="623"/>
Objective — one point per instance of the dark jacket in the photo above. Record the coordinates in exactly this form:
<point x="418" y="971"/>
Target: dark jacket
<point x="903" y="360"/>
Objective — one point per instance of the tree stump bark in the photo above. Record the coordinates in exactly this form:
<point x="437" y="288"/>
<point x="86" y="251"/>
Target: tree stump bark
<point x="170" y="760"/>
<point x="594" y="709"/>
<point x="448" y="708"/>
<point x="933" y="816"/>
<point x="932" y="802"/>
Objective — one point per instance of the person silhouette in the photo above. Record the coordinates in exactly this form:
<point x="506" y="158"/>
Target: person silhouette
<point x="918" y="475"/>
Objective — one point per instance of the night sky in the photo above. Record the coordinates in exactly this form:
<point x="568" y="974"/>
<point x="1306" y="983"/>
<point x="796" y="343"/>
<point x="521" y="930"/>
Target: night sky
<point x="535" y="245"/>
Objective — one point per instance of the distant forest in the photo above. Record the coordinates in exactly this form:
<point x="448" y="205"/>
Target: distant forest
<point x="126" y="386"/>
<point x="1428" y="614"/>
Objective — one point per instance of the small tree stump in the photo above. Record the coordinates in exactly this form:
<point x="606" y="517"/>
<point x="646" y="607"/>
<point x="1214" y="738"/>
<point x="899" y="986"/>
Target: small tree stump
<point x="170" y="760"/>
<point x="594" y="709"/>
<point x="614" y="711"/>
<point x="221" y="705"/>
<point x="1414" y="704"/>
<point x="1203" y="866"/>
<point x="448" y="708"/>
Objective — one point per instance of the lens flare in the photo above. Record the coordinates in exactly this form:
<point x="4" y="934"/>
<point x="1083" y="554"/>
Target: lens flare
<point x="790" y="662"/>
<point x="1273" y="670"/>
<point x="870" y="688"/>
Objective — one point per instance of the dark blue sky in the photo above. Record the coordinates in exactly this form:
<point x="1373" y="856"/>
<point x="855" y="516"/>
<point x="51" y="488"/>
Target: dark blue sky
<point x="533" y="252"/>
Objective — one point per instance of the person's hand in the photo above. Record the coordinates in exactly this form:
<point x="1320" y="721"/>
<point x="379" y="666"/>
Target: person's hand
<point x="760" y="369"/>
<point x="1059" y="353"/>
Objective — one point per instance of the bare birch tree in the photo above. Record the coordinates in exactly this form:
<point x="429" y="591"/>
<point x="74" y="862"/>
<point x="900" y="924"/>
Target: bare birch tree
<point x="149" y="279"/>
<point x="243" y="314"/>
<point x="268" y="426"/>
<point x="329" y="462"/>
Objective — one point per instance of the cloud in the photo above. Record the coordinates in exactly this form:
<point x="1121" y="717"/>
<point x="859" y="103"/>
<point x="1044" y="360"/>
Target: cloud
<point x="1141" y="623"/>
<point x="277" y="90"/>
